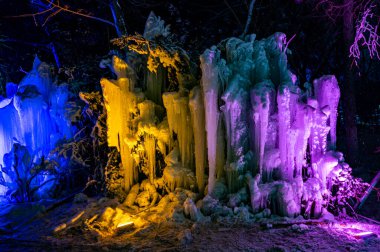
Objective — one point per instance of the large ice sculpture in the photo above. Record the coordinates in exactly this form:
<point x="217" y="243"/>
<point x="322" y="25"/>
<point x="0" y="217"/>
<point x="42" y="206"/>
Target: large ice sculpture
<point x="283" y="125"/>
<point x="247" y="121"/>
<point x="34" y="115"/>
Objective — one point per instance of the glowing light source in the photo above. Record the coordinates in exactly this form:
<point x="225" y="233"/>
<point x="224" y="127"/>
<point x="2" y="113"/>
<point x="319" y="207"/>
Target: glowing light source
<point x="124" y="227"/>
<point x="357" y="230"/>
<point x="125" y="224"/>
<point x="359" y="234"/>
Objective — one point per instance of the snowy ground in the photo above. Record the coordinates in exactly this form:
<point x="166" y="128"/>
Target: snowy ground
<point x="178" y="234"/>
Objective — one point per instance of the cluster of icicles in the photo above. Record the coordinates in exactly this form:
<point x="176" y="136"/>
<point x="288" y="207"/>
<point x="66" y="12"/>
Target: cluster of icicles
<point x="34" y="115"/>
<point x="248" y="121"/>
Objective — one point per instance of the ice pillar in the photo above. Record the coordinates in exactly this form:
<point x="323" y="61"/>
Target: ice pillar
<point x="198" y="119"/>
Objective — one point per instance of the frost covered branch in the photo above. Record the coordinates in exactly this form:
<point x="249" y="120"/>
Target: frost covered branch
<point x="365" y="36"/>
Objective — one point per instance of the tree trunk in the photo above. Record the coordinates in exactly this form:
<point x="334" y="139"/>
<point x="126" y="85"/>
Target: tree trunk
<point x="348" y="87"/>
<point x="118" y="18"/>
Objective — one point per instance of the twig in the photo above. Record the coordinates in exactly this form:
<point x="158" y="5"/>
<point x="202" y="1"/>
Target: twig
<point x="57" y="8"/>
<point x="233" y="12"/>
<point x="249" y="18"/>
<point x="373" y="183"/>
<point x="369" y="219"/>
<point x="66" y="9"/>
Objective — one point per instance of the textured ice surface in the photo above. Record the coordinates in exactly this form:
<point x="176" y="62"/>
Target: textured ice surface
<point x="34" y="115"/>
<point x="248" y="117"/>
<point x="267" y="113"/>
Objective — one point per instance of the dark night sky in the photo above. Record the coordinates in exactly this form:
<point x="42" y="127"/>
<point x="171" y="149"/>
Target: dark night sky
<point x="81" y="42"/>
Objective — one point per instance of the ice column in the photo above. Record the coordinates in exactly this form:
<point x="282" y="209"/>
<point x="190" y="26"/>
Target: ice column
<point x="121" y="105"/>
<point x="198" y="119"/>
<point x="235" y="111"/>
<point x="184" y="131"/>
<point x="303" y="123"/>
<point x="261" y="102"/>
<point x="179" y="119"/>
<point x="155" y="84"/>
<point x="327" y="92"/>
<point x="318" y="131"/>
<point x="283" y="101"/>
<point x="210" y="64"/>
<point x="148" y="130"/>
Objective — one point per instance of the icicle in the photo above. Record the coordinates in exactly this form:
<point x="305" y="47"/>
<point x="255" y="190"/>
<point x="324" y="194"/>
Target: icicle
<point x="303" y="123"/>
<point x="236" y="117"/>
<point x="149" y="131"/>
<point x="198" y="118"/>
<point x="179" y="119"/>
<point x="10" y="127"/>
<point x="235" y="111"/>
<point x="111" y="95"/>
<point x="184" y="131"/>
<point x="36" y="125"/>
<point x="327" y="92"/>
<point x="163" y="138"/>
<point x="121" y="105"/>
<point x="155" y="84"/>
<point x="168" y="99"/>
<point x="261" y="96"/>
<point x="283" y="101"/>
<point x="210" y="65"/>
<point x="319" y="131"/>
<point x="150" y="148"/>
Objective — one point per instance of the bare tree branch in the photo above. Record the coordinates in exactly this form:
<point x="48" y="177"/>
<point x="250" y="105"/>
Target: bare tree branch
<point x="57" y="8"/>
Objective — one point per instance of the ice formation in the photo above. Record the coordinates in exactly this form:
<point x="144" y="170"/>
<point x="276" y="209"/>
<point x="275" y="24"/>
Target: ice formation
<point x="266" y="114"/>
<point x="33" y="115"/>
<point x="212" y="67"/>
<point x="247" y="121"/>
<point x="198" y="119"/>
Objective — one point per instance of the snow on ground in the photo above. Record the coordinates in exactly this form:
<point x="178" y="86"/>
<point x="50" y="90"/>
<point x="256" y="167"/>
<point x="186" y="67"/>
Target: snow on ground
<point x="171" y="231"/>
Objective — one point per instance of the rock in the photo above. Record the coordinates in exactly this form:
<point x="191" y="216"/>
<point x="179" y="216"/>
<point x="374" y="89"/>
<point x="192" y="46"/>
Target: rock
<point x="236" y="198"/>
<point x="196" y="228"/>
<point x="301" y="228"/>
<point x="102" y="200"/>
<point x="243" y="214"/>
<point x="304" y="227"/>
<point x="107" y="215"/>
<point x="208" y="205"/>
<point x="185" y="237"/>
<point x="224" y="211"/>
<point x="132" y="195"/>
<point x="326" y="215"/>
<point x="263" y="214"/>
<point x="220" y="190"/>
<point x="176" y="213"/>
<point x="80" y="198"/>
<point x="143" y="199"/>
<point x="191" y="210"/>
